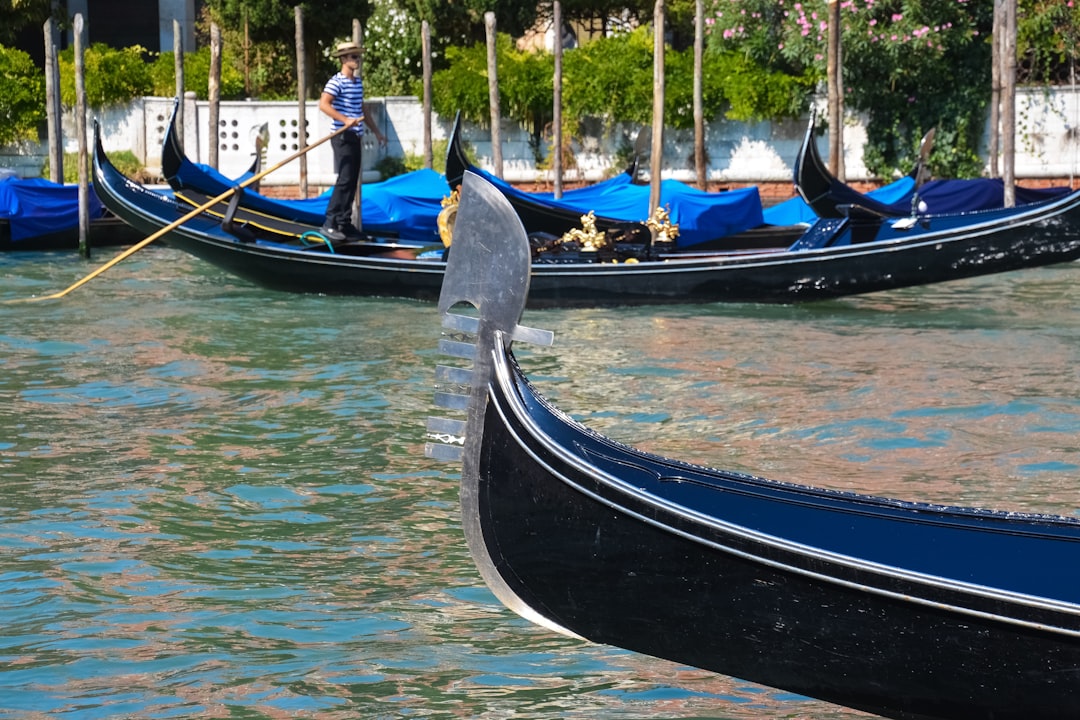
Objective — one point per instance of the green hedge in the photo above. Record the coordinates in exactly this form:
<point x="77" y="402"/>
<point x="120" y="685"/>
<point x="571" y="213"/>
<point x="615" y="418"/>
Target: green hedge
<point x="22" y="87"/>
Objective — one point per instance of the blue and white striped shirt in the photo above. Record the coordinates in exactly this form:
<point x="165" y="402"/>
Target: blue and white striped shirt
<point x="348" y="94"/>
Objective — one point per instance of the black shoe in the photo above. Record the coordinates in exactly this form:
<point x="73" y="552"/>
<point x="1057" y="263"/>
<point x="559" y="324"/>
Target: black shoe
<point x="331" y="233"/>
<point x="351" y="233"/>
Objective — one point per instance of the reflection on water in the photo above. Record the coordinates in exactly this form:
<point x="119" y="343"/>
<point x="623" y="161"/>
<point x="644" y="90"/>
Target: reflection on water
<point x="215" y="500"/>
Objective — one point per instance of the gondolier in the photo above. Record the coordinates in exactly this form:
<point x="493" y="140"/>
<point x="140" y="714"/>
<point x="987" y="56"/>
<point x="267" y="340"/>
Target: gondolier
<point x="343" y="101"/>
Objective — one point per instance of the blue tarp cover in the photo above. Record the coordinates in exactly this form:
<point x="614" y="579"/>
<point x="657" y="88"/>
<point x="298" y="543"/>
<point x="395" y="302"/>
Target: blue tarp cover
<point x="795" y="211"/>
<point x="409" y="203"/>
<point x="940" y="196"/>
<point x="700" y="215"/>
<point x="950" y="196"/>
<point x="35" y="206"/>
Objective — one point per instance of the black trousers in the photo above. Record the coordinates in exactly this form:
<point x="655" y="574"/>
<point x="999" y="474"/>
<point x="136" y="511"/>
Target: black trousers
<point x="347" y="156"/>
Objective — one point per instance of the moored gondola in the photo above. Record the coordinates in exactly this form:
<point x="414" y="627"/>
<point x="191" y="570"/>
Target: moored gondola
<point x="833" y="258"/>
<point x="725" y="221"/>
<point x="903" y="609"/>
<point x="829" y="197"/>
<point x="37" y="214"/>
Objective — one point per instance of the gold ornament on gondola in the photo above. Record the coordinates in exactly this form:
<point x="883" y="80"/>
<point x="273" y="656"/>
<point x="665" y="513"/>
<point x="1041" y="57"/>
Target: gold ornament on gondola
<point x="447" y="216"/>
<point x="588" y="236"/>
<point x="660" y="223"/>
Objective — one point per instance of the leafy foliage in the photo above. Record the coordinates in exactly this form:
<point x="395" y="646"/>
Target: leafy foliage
<point x="22" y="87"/>
<point x="895" y="55"/>
<point x="124" y="161"/>
<point x="525" y="84"/>
<point x="462" y="22"/>
<point x="18" y="14"/>
<point x="612" y="78"/>
<point x="271" y="30"/>
<point x="112" y="76"/>
<point x="1048" y="40"/>
<point x="393" y="51"/>
<point x="464" y="86"/>
<point x="196" y="75"/>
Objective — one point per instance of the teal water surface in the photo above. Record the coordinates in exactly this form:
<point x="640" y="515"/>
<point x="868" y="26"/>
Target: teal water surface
<point x="215" y="501"/>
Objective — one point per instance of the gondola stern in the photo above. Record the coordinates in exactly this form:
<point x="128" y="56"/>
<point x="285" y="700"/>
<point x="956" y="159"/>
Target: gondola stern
<point x="172" y="154"/>
<point x="457" y="163"/>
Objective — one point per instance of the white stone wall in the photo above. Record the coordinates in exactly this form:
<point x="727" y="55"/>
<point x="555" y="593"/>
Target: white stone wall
<point x="1047" y="142"/>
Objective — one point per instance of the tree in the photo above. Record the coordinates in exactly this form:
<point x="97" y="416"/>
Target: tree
<point x="525" y="85"/>
<point x="112" y="76"/>
<point x="270" y="25"/>
<point x="16" y="15"/>
<point x="903" y="49"/>
<point x="1048" y="41"/>
<point x="21" y="88"/>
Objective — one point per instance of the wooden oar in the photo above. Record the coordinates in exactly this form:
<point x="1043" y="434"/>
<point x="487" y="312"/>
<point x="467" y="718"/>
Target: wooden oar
<point x="177" y="223"/>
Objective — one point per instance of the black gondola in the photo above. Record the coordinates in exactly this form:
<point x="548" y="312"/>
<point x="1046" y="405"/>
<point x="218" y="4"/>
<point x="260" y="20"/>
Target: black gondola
<point x="727" y="221"/>
<point x="829" y="197"/>
<point x="903" y="609"/>
<point x="833" y="258"/>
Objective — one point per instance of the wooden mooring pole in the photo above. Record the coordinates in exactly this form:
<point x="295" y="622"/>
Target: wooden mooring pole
<point x="80" y="125"/>
<point x="52" y="104"/>
<point x="301" y="95"/>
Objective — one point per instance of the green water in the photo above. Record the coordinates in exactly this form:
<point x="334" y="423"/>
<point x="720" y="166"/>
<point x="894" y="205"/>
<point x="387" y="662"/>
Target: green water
<point x="215" y="501"/>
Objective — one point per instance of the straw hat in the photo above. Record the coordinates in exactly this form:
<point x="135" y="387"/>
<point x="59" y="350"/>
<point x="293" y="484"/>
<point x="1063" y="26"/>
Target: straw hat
<point x="347" y="48"/>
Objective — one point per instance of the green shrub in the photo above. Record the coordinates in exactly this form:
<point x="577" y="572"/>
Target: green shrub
<point x="196" y="75"/>
<point x="124" y="160"/>
<point x="22" y="88"/>
<point x="112" y="77"/>
<point x="415" y="161"/>
<point x="390" y="166"/>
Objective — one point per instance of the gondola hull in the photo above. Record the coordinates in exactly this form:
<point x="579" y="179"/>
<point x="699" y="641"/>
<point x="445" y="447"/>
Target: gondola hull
<point x="837" y="264"/>
<point x="596" y="554"/>
<point x="108" y="231"/>
<point x="36" y="215"/>
<point x="903" y="609"/>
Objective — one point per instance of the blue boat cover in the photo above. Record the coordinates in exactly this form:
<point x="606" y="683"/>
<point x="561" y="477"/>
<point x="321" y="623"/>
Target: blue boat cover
<point x="951" y="196"/>
<point x="701" y="216"/>
<point x="35" y="206"/>
<point x="408" y="204"/>
<point x="940" y="196"/>
<point x="795" y="211"/>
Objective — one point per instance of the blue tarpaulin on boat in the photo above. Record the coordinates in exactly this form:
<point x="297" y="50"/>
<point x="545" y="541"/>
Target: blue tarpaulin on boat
<point x="701" y="216"/>
<point x="795" y="211"/>
<point x="35" y="206"/>
<point x="408" y="204"/>
<point x="940" y="197"/>
<point x="950" y="196"/>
